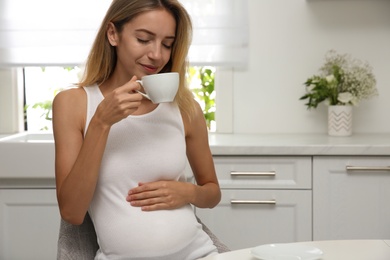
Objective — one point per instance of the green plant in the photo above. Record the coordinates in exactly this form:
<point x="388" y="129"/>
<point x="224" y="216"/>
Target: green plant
<point x="342" y="81"/>
<point x="204" y="90"/>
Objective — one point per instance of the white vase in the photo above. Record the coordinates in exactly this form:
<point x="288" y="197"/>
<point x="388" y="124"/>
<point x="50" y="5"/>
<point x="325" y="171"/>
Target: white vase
<point x="340" y="120"/>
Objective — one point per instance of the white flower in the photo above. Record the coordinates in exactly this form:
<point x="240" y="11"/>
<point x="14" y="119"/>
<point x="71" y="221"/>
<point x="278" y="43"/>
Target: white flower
<point x="342" y="80"/>
<point x="330" y="78"/>
<point x="345" y="97"/>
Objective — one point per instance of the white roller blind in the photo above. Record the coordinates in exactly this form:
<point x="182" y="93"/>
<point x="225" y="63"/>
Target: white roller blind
<point x="48" y="32"/>
<point x="220" y="32"/>
<point x="57" y="32"/>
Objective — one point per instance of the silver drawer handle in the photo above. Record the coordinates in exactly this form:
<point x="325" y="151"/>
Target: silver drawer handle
<point x="367" y="168"/>
<point x="268" y="202"/>
<point x="261" y="174"/>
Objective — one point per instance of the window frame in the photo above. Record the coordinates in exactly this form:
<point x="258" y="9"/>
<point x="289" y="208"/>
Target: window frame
<point x="11" y="100"/>
<point x="224" y="100"/>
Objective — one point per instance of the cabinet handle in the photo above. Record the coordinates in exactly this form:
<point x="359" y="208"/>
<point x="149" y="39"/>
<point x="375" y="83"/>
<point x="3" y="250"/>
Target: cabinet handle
<point x="367" y="168"/>
<point x="260" y="174"/>
<point x="268" y="202"/>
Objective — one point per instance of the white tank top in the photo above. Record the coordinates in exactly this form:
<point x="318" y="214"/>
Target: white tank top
<point x="143" y="148"/>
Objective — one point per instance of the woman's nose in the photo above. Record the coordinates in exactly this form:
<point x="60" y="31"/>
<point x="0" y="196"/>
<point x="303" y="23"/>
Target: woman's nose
<point x="155" y="52"/>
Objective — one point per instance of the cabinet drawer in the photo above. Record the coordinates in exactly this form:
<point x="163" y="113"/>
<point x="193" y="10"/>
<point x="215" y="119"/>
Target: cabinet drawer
<point x="246" y="172"/>
<point x="255" y="221"/>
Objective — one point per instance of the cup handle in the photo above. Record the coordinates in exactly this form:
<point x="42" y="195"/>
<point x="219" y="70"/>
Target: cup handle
<point x="140" y="82"/>
<point x="143" y="94"/>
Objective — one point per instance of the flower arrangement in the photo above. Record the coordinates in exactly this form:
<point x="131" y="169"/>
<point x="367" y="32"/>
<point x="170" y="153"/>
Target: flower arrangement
<point x="342" y="81"/>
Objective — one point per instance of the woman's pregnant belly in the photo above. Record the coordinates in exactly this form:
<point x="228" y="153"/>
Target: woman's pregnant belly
<point x="130" y="232"/>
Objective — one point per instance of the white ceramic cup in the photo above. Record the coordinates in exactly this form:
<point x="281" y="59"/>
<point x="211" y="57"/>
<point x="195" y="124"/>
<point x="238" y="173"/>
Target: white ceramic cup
<point x="160" y="87"/>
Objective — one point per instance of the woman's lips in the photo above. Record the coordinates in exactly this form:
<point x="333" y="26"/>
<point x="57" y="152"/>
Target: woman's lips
<point x="150" y="69"/>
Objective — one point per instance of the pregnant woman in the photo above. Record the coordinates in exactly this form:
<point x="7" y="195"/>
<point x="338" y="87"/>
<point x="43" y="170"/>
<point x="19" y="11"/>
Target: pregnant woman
<point x="120" y="157"/>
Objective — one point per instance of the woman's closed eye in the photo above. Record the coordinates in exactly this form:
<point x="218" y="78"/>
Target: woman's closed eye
<point x="168" y="46"/>
<point x="168" y="43"/>
<point x="165" y="45"/>
<point x="142" y="41"/>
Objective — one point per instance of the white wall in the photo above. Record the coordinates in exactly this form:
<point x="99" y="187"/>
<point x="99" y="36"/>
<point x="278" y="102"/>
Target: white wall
<point x="288" y="41"/>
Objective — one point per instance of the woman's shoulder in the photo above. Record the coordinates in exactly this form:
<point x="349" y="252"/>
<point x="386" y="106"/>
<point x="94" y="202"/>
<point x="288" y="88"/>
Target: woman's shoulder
<point x="69" y="108"/>
<point x="73" y="94"/>
<point x="69" y="99"/>
<point x="194" y="121"/>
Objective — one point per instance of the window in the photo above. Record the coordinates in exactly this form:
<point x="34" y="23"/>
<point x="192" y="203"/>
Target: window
<point x="43" y="83"/>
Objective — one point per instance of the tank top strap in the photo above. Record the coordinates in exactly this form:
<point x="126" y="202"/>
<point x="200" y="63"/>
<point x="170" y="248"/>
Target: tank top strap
<point x="94" y="97"/>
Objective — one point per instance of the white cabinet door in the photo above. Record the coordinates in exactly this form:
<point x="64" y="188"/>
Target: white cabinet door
<point x="29" y="224"/>
<point x="351" y="204"/>
<point x="246" y="225"/>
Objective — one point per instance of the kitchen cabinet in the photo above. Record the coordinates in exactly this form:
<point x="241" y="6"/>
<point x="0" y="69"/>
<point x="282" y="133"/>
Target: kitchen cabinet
<point x="29" y="215"/>
<point x="29" y="224"/>
<point x="264" y="200"/>
<point x="351" y="197"/>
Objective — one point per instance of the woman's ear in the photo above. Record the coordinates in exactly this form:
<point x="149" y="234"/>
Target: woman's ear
<point x="112" y="34"/>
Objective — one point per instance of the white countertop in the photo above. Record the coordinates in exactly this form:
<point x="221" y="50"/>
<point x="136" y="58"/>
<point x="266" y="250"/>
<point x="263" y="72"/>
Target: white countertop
<point x="299" y="144"/>
<point x="262" y="144"/>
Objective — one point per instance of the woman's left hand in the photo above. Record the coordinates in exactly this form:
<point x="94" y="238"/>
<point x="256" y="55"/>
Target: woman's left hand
<point x="161" y="195"/>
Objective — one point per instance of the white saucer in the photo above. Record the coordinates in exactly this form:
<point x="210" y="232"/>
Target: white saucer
<point x="286" y="252"/>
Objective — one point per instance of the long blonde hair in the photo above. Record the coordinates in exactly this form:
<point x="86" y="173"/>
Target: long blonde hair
<point x="103" y="57"/>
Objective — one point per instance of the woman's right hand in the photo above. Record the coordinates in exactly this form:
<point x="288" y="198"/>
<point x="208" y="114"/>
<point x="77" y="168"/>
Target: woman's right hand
<point x="120" y="103"/>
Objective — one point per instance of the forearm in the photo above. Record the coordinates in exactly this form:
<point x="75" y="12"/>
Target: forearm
<point x="206" y="196"/>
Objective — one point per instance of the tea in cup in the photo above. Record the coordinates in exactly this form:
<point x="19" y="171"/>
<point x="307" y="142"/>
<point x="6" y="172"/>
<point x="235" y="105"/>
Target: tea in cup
<point x="160" y="87"/>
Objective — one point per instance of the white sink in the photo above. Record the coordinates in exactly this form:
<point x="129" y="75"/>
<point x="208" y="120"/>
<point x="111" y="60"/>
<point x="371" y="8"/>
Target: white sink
<point x="29" y="137"/>
<point x="28" y="156"/>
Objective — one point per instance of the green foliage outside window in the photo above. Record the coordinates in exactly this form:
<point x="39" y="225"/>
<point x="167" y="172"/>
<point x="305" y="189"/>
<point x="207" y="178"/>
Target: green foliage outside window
<point x="200" y="79"/>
